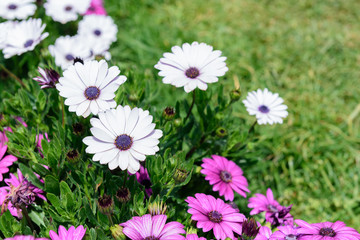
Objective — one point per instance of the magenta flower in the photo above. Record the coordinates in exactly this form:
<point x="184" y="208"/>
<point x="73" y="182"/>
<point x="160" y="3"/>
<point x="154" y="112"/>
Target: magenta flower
<point x="71" y="234"/>
<point x="96" y="7"/>
<point x="21" y="237"/>
<point x="264" y="233"/>
<point x="143" y="178"/>
<point x="5" y="162"/>
<point x="3" y="137"/>
<point x="285" y="233"/>
<point x="326" y="231"/>
<point x="215" y="214"/>
<point x="194" y="237"/>
<point x="225" y="175"/>
<point x="20" y="120"/>
<point x="13" y="210"/>
<point x="38" y="140"/>
<point x="153" y="227"/>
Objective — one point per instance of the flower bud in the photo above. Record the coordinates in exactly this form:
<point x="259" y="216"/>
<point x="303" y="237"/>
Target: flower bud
<point x="235" y="95"/>
<point x="123" y="194"/>
<point x="177" y="122"/>
<point x="106" y="204"/>
<point x="249" y="229"/>
<point x="73" y="156"/>
<point x="133" y="97"/>
<point x="78" y="128"/>
<point x="117" y="232"/>
<point x="221" y="132"/>
<point x="157" y="208"/>
<point x="180" y="175"/>
<point x="169" y="113"/>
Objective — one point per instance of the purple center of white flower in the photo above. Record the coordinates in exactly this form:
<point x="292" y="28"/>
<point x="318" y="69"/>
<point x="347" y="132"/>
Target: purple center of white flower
<point x="225" y="176"/>
<point x="92" y="93"/>
<point x="264" y="109"/>
<point x="272" y="208"/>
<point x="123" y="142"/>
<point x="151" y="238"/>
<point x="97" y="32"/>
<point x="69" y="57"/>
<point x="28" y="43"/>
<point x="192" y="72"/>
<point x="327" y="232"/>
<point x="291" y="237"/>
<point x="215" y="216"/>
<point x="68" y="8"/>
<point x="12" y="7"/>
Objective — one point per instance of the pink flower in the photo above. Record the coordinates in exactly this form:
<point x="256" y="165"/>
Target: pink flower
<point x="143" y="178"/>
<point x="21" y="121"/>
<point x="3" y="137"/>
<point x="13" y="210"/>
<point x="285" y="233"/>
<point x="5" y="162"/>
<point x="215" y="214"/>
<point x="96" y="7"/>
<point x="194" y="237"/>
<point x="326" y="231"/>
<point x="148" y="227"/>
<point x="225" y="175"/>
<point x="71" y="234"/>
<point x="264" y="233"/>
<point x="38" y="140"/>
<point x="21" y="237"/>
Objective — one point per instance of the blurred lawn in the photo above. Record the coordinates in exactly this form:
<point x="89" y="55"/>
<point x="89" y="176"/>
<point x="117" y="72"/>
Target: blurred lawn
<point x="307" y="51"/>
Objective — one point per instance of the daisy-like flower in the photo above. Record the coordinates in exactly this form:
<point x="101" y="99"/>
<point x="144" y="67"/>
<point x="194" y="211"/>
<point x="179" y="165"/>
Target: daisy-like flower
<point x="66" y="10"/>
<point x="71" y="234"/>
<point x="143" y="178"/>
<point x="89" y="87"/>
<point x="99" y="30"/>
<point x="20" y="9"/>
<point x="285" y="233"/>
<point x="152" y="227"/>
<point x="215" y="214"/>
<point x="266" y="106"/>
<point x="49" y="77"/>
<point x="326" y="231"/>
<point x="4" y="28"/>
<point x="23" y="37"/>
<point x="96" y="7"/>
<point x="5" y="162"/>
<point x="22" y="237"/>
<point x="192" y="66"/>
<point x="264" y="233"/>
<point x="194" y="237"/>
<point x="225" y="175"/>
<point x="122" y="137"/>
<point x="67" y="48"/>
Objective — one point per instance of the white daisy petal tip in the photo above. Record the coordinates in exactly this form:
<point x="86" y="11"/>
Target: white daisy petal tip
<point x="266" y="106"/>
<point x="191" y="66"/>
<point x="85" y="85"/>
<point x="127" y="134"/>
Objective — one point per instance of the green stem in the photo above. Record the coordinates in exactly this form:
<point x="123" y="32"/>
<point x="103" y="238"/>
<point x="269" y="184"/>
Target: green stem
<point x="25" y="213"/>
<point x="12" y="75"/>
<point x="63" y="111"/>
<point x="33" y="157"/>
<point x="110" y="219"/>
<point x="191" y="107"/>
<point x="170" y="190"/>
<point x="252" y="128"/>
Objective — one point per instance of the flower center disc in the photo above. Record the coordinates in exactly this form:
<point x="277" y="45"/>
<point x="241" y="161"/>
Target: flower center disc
<point x="97" y="32"/>
<point x="123" y="142"/>
<point x="28" y="43"/>
<point x="291" y="237"/>
<point x="12" y="7"/>
<point x="272" y="208"/>
<point x="327" y="232"/>
<point x="192" y="73"/>
<point x="264" y="109"/>
<point x="151" y="238"/>
<point x="225" y="176"/>
<point x="68" y="8"/>
<point x="215" y="216"/>
<point x="92" y="93"/>
<point x="69" y="57"/>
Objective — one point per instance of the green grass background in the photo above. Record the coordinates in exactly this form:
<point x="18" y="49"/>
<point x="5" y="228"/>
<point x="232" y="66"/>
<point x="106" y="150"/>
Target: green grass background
<point x="307" y="51"/>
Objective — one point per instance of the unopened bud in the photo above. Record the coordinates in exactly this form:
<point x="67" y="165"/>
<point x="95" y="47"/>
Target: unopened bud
<point x="249" y="229"/>
<point x="157" y="208"/>
<point x="180" y="175"/>
<point x="133" y="97"/>
<point x="78" y="128"/>
<point x="177" y="122"/>
<point x="117" y="232"/>
<point x="169" y="113"/>
<point x="235" y="95"/>
<point x="221" y="132"/>
<point x="123" y="194"/>
<point x="106" y="204"/>
<point x="72" y="156"/>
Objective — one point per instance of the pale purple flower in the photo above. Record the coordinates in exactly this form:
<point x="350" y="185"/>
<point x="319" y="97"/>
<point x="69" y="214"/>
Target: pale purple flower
<point x="194" y="237"/>
<point x="215" y="214"/>
<point x="49" y="77"/>
<point x="153" y="227"/>
<point x="326" y="231"/>
<point x="5" y="162"/>
<point x="285" y="233"/>
<point x="71" y="234"/>
<point x="225" y="175"/>
<point x="264" y="233"/>
<point x="22" y="237"/>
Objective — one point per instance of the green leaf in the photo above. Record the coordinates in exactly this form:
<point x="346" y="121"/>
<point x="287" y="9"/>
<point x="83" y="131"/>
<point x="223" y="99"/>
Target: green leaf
<point x="52" y="185"/>
<point x="29" y="174"/>
<point x="37" y="218"/>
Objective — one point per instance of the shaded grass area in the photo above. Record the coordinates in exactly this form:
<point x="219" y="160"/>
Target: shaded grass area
<point x="307" y="51"/>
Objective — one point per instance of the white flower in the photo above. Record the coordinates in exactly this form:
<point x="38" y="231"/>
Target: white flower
<point x="20" y="9"/>
<point x="4" y="28"/>
<point x="23" y="37"/>
<point x="89" y="87"/>
<point x="67" y="48"/>
<point x="122" y="137"/>
<point x="192" y="66"/>
<point x="100" y="30"/>
<point x="66" y="10"/>
<point x="267" y="106"/>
